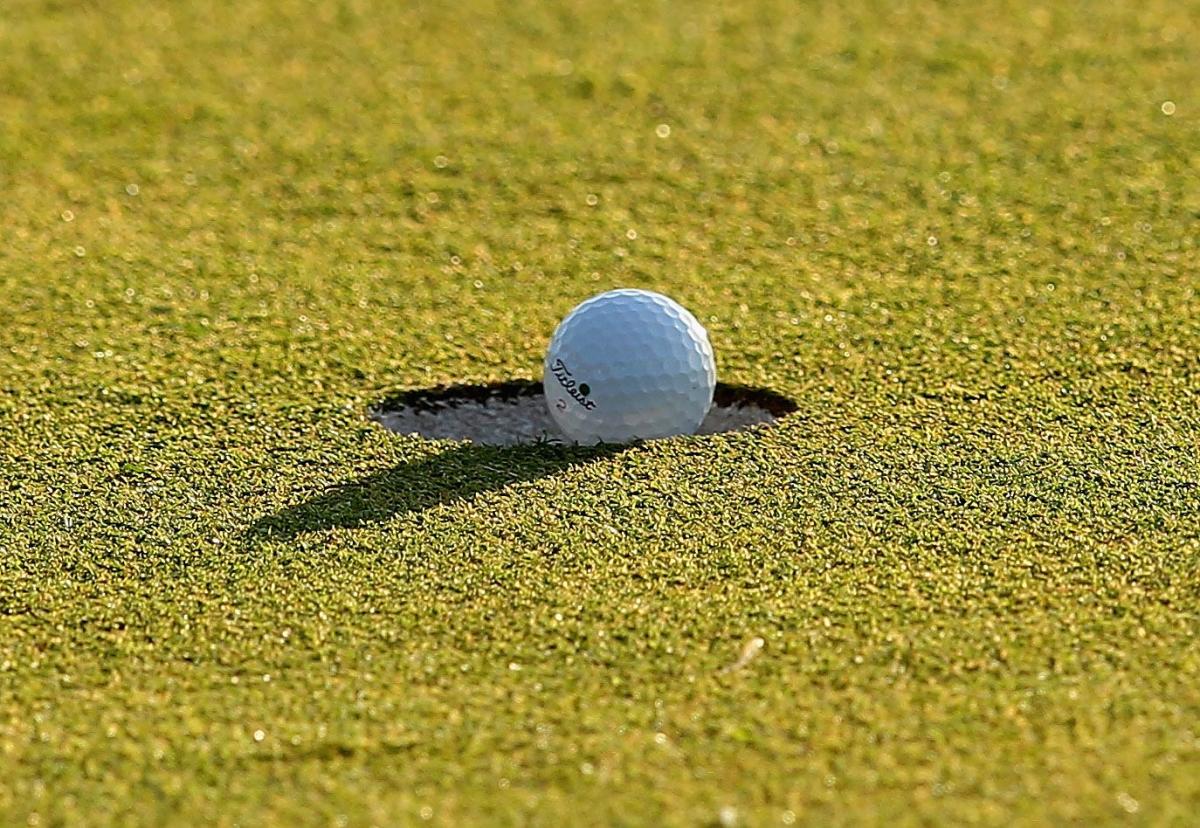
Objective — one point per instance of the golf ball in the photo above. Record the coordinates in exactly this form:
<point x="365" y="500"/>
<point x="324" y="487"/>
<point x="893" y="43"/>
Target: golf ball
<point x="628" y="365"/>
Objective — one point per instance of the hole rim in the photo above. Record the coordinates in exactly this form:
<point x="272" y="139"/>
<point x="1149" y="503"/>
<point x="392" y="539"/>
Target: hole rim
<point x="433" y="400"/>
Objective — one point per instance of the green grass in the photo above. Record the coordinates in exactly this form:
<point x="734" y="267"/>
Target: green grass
<point x="962" y="237"/>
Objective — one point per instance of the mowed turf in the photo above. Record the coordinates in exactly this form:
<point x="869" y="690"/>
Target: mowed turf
<point x="962" y="237"/>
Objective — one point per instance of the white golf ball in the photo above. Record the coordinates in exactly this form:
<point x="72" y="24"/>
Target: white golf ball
<point x="628" y="365"/>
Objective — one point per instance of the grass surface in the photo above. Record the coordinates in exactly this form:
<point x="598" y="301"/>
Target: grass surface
<point x="963" y="237"/>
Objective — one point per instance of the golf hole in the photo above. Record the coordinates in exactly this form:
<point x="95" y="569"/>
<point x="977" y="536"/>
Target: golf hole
<point x="514" y="413"/>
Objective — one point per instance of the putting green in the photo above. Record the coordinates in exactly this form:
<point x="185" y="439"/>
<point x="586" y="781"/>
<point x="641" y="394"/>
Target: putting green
<point x="961" y="237"/>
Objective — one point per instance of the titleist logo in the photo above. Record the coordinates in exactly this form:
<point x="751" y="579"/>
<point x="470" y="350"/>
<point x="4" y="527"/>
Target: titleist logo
<point x="578" y="390"/>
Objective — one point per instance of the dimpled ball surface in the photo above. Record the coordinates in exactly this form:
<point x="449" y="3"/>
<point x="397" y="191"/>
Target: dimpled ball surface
<point x="628" y="365"/>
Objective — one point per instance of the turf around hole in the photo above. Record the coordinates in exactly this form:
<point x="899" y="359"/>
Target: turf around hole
<point x="957" y="585"/>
